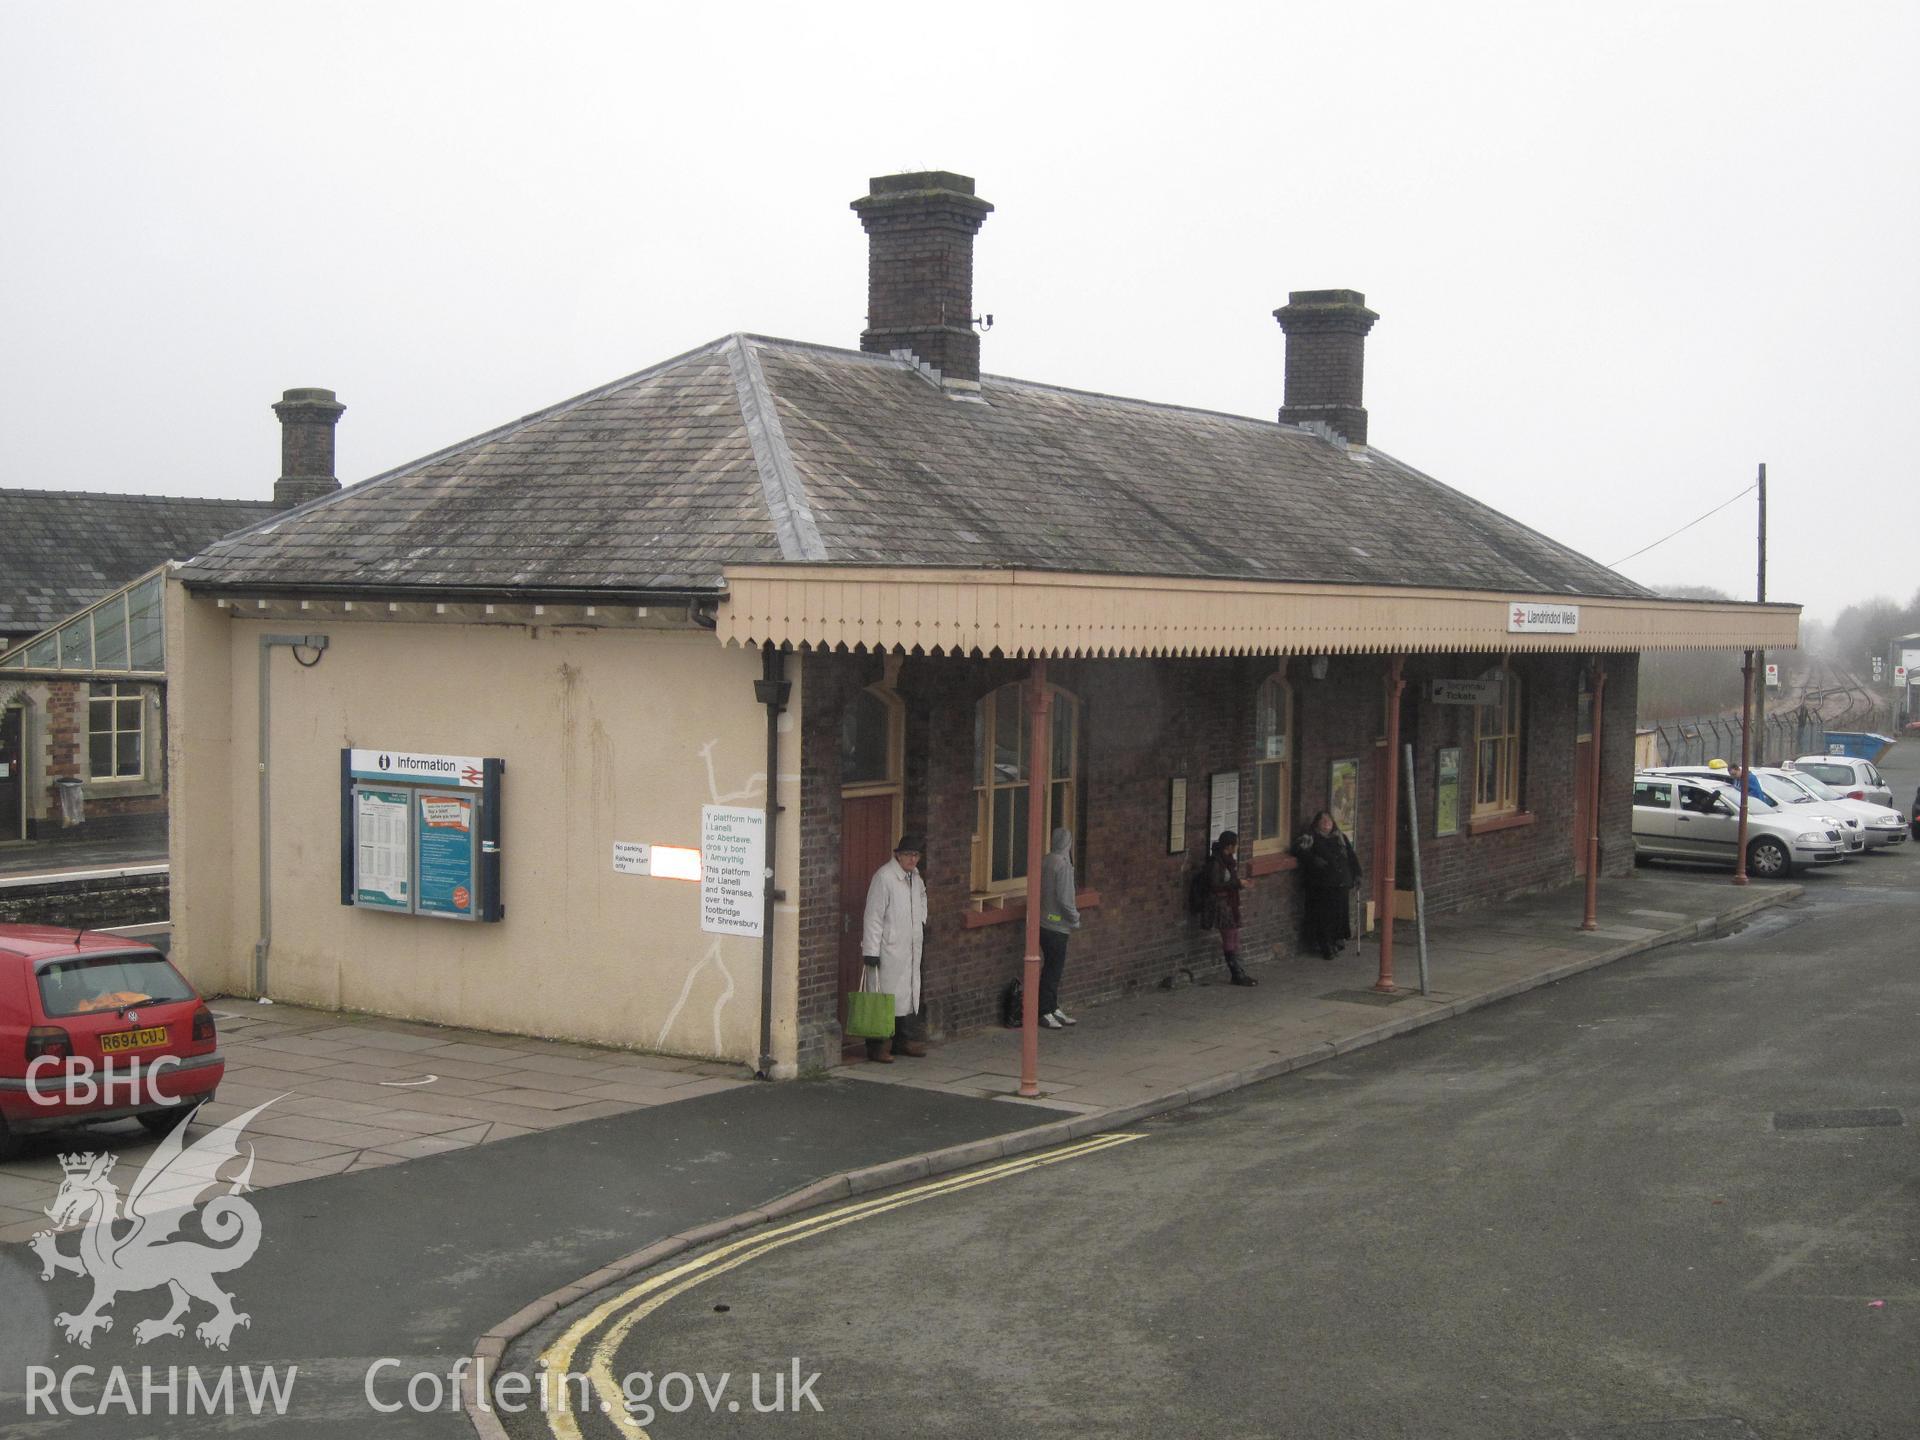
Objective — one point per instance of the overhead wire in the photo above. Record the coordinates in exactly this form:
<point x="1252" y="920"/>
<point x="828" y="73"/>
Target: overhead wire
<point x="1684" y="528"/>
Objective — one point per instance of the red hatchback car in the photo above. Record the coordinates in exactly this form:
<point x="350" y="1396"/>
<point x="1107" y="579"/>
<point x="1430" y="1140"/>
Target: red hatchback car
<point x="95" y="1027"/>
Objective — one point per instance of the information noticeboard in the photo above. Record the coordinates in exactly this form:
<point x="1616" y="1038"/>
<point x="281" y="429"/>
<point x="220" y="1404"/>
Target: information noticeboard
<point x="1446" y="791"/>
<point x="1223" y="804"/>
<point x="733" y="870"/>
<point x="1343" y="795"/>
<point x="383" y="848"/>
<point x="446" y="853"/>
<point x="420" y="833"/>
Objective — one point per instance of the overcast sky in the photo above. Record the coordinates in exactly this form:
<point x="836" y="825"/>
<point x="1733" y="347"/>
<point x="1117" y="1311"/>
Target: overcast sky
<point x="1621" y="253"/>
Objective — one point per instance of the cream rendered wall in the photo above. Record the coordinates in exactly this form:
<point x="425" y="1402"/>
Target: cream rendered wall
<point x="607" y="735"/>
<point x="201" y="765"/>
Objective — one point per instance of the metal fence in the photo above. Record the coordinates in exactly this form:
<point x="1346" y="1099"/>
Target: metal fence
<point x="1780" y="738"/>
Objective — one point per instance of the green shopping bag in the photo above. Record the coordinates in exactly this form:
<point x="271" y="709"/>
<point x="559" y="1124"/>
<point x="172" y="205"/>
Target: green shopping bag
<point x="870" y="1011"/>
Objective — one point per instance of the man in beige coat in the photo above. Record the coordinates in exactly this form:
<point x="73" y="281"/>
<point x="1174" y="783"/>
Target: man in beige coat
<point x="891" y="942"/>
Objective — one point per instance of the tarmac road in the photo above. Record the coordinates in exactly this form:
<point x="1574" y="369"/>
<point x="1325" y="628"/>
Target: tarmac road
<point x="413" y="1261"/>
<point x="1627" y="1205"/>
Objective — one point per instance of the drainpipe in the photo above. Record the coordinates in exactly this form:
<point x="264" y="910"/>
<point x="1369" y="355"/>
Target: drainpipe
<point x="267" y="642"/>
<point x="1746" y="766"/>
<point x="771" y="690"/>
<point x="1039" y="771"/>
<point x="1591" y="921"/>
<point x="1389" y="840"/>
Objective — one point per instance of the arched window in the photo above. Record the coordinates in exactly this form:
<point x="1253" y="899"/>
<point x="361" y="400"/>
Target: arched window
<point x="1496" y="748"/>
<point x="1272" y="762"/>
<point x="1002" y="738"/>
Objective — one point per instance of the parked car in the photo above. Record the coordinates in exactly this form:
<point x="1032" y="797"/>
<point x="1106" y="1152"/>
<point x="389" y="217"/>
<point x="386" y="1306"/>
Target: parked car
<point x="1771" y="791"/>
<point x="1913" y="816"/>
<point x="1676" y="817"/>
<point x="1880" y="824"/>
<point x="1855" y="779"/>
<point x="96" y="1027"/>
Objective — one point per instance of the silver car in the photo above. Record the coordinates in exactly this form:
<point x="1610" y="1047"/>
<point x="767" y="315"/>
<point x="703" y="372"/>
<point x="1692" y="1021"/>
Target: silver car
<point x="1676" y="817"/>
<point x="1881" y="824"/>
<point x="1771" y="790"/>
<point x="1855" y="779"/>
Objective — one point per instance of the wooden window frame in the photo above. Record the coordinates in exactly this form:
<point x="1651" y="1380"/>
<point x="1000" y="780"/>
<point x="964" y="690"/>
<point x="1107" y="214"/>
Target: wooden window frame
<point x="1277" y="842"/>
<point x="1507" y="741"/>
<point x="120" y="692"/>
<point x="986" y="796"/>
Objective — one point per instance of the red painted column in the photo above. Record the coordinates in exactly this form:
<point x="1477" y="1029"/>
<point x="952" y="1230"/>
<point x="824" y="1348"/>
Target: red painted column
<point x="1594" y="791"/>
<point x="1388" y="843"/>
<point x="1039" y="773"/>
<point x="1746" y="763"/>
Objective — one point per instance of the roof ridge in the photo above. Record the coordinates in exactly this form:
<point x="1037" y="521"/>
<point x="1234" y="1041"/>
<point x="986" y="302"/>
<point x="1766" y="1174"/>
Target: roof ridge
<point x="129" y="495"/>
<point x="472" y="442"/>
<point x="870" y="358"/>
<point x="780" y="482"/>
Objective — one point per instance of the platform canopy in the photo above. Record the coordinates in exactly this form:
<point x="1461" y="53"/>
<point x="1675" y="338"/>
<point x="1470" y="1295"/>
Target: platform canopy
<point x="1026" y="613"/>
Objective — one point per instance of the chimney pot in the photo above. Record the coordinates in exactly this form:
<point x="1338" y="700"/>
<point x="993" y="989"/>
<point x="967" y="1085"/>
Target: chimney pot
<point x="307" y="417"/>
<point x="1326" y="334"/>
<point x="920" y="227"/>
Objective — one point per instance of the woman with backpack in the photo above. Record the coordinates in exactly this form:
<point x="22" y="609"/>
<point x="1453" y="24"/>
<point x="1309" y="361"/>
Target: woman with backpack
<point x="1221" y="907"/>
<point x="1330" y="869"/>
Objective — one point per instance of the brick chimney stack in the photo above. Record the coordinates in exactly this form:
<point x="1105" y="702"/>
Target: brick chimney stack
<point x="307" y="418"/>
<point x="920" y="230"/>
<point x="1326" y="350"/>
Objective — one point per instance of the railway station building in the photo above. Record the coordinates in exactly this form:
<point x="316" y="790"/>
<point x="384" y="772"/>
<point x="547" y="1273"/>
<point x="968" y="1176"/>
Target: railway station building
<point x="596" y="725"/>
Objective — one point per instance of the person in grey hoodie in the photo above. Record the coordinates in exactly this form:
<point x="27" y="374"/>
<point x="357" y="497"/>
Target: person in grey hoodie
<point x="1059" y="918"/>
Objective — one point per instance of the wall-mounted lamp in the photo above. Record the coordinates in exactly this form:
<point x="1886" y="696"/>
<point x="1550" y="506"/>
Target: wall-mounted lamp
<point x="1317" y="667"/>
<point x="983" y="323"/>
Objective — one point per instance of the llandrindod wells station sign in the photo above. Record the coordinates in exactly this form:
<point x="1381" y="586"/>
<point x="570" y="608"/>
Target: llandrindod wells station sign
<point x="1526" y="618"/>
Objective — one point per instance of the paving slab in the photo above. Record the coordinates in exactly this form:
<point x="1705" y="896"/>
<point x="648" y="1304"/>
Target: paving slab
<point x="1198" y="1035"/>
<point x="342" y="1087"/>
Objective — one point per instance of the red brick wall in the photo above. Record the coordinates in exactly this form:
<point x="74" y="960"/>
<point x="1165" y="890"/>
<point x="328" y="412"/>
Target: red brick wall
<point x="1145" y="722"/>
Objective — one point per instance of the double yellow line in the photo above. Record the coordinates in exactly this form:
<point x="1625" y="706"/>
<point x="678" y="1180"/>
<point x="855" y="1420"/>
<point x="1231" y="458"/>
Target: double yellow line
<point x="649" y="1295"/>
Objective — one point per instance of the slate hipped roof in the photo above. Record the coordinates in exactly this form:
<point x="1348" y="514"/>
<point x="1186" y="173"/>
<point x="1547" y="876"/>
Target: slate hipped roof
<point x="753" y="450"/>
<point x="61" y="550"/>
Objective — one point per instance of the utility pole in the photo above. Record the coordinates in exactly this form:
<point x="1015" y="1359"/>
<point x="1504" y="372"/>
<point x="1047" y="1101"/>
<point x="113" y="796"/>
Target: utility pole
<point x="1760" y="697"/>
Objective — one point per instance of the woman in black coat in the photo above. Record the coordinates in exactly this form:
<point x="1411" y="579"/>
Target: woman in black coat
<point x="1330" y="869"/>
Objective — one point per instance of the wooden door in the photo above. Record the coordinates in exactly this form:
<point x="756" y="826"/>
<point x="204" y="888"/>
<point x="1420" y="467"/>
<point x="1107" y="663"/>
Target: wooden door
<point x="866" y="843"/>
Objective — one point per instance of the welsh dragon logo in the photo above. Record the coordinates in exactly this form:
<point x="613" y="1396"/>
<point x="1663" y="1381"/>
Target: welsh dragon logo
<point x="130" y="1245"/>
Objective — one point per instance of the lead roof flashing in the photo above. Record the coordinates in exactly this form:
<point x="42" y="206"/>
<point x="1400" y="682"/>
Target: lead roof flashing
<point x="780" y="482"/>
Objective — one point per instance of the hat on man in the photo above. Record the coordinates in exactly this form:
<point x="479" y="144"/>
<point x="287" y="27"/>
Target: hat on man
<point x="910" y="842"/>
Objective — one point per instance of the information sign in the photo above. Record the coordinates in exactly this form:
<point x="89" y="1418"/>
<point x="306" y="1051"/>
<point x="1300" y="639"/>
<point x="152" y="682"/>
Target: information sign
<point x="412" y="767"/>
<point x="1343" y="795"/>
<point x="420" y="833"/>
<point x="383" y="849"/>
<point x="733" y="870"/>
<point x="1446" y="797"/>
<point x="1223" y="808"/>
<point x="444" y="850"/>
